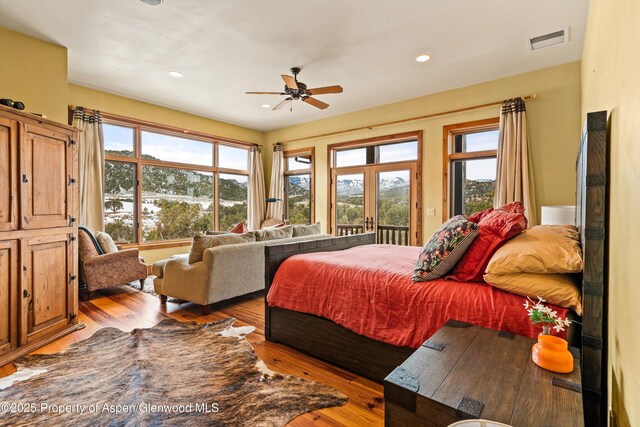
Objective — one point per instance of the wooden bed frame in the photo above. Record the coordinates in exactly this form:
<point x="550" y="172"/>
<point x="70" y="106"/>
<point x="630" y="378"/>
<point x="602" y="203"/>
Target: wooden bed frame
<point x="373" y="359"/>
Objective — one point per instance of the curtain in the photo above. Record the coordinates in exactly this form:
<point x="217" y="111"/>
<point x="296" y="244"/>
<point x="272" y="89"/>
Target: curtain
<point x="255" y="214"/>
<point x="91" y="168"/>
<point x="276" y="189"/>
<point x="514" y="178"/>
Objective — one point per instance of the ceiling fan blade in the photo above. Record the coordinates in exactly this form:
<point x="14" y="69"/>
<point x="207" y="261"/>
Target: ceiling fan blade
<point x="290" y="82"/>
<point x="316" y="103"/>
<point x="281" y="103"/>
<point x="326" y="89"/>
<point x="265" y="93"/>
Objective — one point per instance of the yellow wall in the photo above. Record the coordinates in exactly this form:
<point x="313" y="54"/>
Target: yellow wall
<point x="34" y="72"/>
<point x="554" y="131"/>
<point x="110" y="103"/>
<point x="611" y="60"/>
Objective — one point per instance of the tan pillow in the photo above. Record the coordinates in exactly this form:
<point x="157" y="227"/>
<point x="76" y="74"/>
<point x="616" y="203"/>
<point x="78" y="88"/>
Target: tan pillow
<point x="558" y="289"/>
<point x="274" y="233"/>
<point x="106" y="242"/>
<point x="306" y="230"/>
<point x="202" y="242"/>
<point x="540" y="249"/>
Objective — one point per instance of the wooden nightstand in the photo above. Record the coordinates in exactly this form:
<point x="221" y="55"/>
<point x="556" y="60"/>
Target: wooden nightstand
<point x="466" y="371"/>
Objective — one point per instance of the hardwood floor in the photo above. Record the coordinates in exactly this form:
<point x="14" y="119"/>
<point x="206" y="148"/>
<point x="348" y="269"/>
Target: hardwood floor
<point x="125" y="308"/>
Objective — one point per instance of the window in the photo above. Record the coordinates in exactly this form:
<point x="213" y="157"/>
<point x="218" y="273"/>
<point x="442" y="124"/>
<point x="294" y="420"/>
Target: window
<point x="299" y="171"/>
<point x="233" y="199"/>
<point x="394" y="152"/>
<point x="471" y="158"/>
<point x="162" y="185"/>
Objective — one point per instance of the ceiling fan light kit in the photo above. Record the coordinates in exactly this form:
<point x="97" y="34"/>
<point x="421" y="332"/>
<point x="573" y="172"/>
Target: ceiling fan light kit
<point x="295" y="90"/>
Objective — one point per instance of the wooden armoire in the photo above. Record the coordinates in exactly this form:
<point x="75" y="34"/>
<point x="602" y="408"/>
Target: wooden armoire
<point x="38" y="232"/>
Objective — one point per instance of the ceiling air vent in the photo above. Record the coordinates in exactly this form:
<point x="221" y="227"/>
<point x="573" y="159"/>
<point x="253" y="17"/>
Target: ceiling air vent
<point x="546" y="40"/>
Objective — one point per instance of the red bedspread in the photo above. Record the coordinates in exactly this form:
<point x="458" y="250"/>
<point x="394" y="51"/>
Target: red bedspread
<point x="368" y="289"/>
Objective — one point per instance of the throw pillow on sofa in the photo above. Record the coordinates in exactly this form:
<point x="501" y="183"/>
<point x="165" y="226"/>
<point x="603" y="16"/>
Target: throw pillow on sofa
<point x="239" y="228"/>
<point x="202" y="242"/>
<point x="285" y="232"/>
<point x="447" y="245"/>
<point x="306" y="230"/>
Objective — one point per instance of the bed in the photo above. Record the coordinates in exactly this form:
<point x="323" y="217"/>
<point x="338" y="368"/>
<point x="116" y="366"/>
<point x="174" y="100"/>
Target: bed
<point x="357" y="345"/>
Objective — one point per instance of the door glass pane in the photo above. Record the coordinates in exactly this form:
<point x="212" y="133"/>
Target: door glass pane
<point x="119" y="201"/>
<point x="476" y="141"/>
<point x="400" y="152"/>
<point x="176" y="203"/>
<point x="233" y="200"/>
<point x="171" y="148"/>
<point x="118" y="140"/>
<point x="233" y="158"/>
<point x="349" y="204"/>
<point x="393" y="200"/>
<point x="299" y="199"/>
<point x="298" y="163"/>
<point x="473" y="185"/>
<point x="355" y="157"/>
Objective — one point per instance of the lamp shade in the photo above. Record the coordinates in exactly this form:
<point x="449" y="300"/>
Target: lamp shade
<point x="558" y="215"/>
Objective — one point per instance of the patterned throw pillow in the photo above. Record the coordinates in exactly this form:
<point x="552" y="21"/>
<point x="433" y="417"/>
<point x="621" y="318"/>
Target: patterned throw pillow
<point x="445" y="248"/>
<point x="106" y="242"/>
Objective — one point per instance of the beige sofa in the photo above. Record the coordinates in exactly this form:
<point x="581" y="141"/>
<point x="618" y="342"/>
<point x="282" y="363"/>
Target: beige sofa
<point x="225" y="272"/>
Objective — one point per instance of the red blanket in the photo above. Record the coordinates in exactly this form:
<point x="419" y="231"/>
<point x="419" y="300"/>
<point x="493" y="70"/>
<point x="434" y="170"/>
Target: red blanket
<point x="368" y="289"/>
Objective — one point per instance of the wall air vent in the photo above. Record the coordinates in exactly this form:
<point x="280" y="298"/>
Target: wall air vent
<point x="546" y="40"/>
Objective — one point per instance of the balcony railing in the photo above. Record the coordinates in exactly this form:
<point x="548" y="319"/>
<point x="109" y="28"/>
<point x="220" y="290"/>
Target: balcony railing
<point x="386" y="234"/>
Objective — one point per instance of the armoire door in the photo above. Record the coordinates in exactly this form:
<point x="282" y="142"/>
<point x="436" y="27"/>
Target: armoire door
<point x="47" y="278"/>
<point x="8" y="295"/>
<point x="8" y="174"/>
<point x="47" y="178"/>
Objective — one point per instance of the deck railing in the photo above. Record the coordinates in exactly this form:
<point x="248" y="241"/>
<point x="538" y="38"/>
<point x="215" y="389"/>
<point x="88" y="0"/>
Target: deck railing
<point x="386" y="234"/>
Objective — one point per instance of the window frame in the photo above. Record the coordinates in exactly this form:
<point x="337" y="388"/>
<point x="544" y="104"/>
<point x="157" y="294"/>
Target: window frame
<point x="310" y="151"/>
<point x="142" y="125"/>
<point x="379" y="140"/>
<point x="449" y="133"/>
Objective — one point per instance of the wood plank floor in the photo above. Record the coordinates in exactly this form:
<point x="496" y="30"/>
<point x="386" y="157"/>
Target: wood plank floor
<point x="126" y="309"/>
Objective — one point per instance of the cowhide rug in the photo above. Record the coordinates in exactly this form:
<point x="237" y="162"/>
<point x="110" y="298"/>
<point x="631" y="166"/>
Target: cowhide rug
<point x="178" y="374"/>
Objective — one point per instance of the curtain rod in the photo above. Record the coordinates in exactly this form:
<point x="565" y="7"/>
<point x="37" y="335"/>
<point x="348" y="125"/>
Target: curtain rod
<point x="410" y="119"/>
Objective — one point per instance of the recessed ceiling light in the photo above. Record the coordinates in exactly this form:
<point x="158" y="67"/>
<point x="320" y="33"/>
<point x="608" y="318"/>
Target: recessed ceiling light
<point x="176" y="74"/>
<point x="152" y="2"/>
<point x="423" y="58"/>
<point x="266" y="106"/>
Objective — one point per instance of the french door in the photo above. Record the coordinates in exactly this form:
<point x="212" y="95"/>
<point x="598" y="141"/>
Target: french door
<point x="380" y="198"/>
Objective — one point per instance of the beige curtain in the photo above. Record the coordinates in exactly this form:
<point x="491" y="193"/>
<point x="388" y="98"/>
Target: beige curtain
<point x="514" y="178"/>
<point x="276" y="189"/>
<point x="91" y="165"/>
<point x="255" y="214"/>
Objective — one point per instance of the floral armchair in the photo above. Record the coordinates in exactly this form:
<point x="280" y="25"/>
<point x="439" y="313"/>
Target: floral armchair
<point x="99" y="270"/>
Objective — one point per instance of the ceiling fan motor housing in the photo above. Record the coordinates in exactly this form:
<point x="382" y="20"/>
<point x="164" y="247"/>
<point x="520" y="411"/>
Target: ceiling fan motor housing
<point x="297" y="94"/>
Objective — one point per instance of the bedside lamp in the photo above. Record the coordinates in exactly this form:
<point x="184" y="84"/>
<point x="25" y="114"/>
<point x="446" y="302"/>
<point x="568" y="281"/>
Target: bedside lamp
<point x="558" y="215"/>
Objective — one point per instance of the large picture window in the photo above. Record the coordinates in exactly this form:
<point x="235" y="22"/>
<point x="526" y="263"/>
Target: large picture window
<point x="470" y="176"/>
<point x="165" y="184"/>
<point x="299" y="171"/>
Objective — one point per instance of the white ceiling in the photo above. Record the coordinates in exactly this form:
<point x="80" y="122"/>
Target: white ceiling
<point x="227" y="47"/>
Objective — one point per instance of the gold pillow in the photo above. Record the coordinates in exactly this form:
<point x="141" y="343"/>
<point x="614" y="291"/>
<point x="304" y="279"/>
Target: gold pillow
<point x="540" y="249"/>
<point x="558" y="289"/>
<point x="202" y="242"/>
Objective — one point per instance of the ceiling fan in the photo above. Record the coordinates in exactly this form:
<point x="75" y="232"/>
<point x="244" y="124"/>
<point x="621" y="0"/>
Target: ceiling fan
<point x="297" y="90"/>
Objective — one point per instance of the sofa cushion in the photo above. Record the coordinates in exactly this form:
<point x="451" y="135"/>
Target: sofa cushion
<point x="306" y="230"/>
<point x="106" y="242"/>
<point x="202" y="242"/>
<point x="274" y="233"/>
<point x="239" y="228"/>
